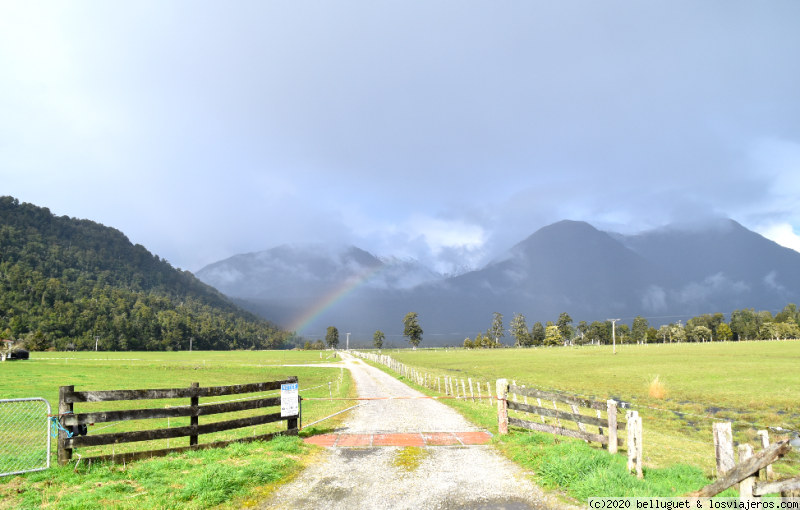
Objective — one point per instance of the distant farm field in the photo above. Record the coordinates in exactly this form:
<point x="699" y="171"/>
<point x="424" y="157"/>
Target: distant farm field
<point x="756" y="385"/>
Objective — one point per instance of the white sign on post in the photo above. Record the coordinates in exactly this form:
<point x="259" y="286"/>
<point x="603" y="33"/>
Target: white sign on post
<point x="289" y="400"/>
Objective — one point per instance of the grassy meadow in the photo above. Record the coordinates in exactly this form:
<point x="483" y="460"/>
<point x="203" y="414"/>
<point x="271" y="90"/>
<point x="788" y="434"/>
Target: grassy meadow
<point x="212" y="481"/>
<point x="752" y="384"/>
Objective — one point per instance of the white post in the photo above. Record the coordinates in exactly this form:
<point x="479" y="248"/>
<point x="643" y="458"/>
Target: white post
<point x="614" y="332"/>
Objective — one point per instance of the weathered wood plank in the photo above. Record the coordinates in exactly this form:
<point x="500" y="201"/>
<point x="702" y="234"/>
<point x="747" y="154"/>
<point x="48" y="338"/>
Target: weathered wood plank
<point x="169" y="433"/>
<point x="546" y="395"/>
<point x="744" y="469"/>
<point x="64" y="454"/>
<point x="157" y="394"/>
<point x="746" y="487"/>
<point x="723" y="447"/>
<point x="554" y="413"/>
<point x="540" y="427"/>
<point x="131" y="456"/>
<point x="170" y="412"/>
<point x="790" y="484"/>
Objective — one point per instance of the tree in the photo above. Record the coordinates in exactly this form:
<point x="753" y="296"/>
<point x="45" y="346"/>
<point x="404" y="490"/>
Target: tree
<point x="377" y="339"/>
<point x="411" y="330"/>
<point x="744" y="324"/>
<point x="701" y="334"/>
<point x="623" y="334"/>
<point x="538" y="334"/>
<point x="468" y="343"/>
<point x="496" y="330"/>
<point x="563" y="325"/>
<point x="553" y="336"/>
<point x="519" y="330"/>
<point x="663" y="332"/>
<point x="652" y="335"/>
<point x="788" y="330"/>
<point x="724" y="332"/>
<point x="307" y="345"/>
<point x="598" y="332"/>
<point x="639" y="330"/>
<point x="583" y="329"/>
<point x="332" y="337"/>
<point x="677" y="334"/>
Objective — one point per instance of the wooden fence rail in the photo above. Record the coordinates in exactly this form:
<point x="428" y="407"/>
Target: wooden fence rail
<point x="72" y="423"/>
<point x="609" y="424"/>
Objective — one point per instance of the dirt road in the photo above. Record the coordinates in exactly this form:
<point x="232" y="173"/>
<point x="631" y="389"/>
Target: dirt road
<point x="390" y="477"/>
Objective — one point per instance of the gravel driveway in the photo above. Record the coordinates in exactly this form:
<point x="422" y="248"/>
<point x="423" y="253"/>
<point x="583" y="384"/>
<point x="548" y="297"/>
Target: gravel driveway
<point x="433" y="477"/>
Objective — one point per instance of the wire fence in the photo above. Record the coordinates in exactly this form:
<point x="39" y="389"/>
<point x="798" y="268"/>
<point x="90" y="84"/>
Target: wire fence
<point x="24" y="435"/>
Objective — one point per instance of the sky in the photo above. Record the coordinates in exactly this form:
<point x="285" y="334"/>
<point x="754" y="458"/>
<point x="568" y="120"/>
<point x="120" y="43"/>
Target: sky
<point x="444" y="131"/>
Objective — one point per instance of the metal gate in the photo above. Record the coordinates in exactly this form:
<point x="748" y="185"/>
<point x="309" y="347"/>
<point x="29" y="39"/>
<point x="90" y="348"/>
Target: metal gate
<point x="24" y="435"/>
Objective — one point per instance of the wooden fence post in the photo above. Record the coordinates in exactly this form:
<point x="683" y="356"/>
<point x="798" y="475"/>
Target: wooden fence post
<point x="634" y="427"/>
<point x="723" y="447"/>
<point x="539" y="401"/>
<point x="471" y="393"/>
<point x="480" y="395"/>
<point x="438" y="385"/>
<point x="746" y="485"/>
<point x="463" y="390"/>
<point x="502" y="406"/>
<point x="489" y="391"/>
<point x="639" y="447"/>
<point x="764" y="443"/>
<point x="631" y="426"/>
<point x="193" y="421"/>
<point x="611" y="407"/>
<point x="64" y="454"/>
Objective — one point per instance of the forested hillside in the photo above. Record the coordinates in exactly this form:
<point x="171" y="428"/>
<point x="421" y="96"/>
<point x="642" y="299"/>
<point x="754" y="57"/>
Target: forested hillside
<point x="65" y="282"/>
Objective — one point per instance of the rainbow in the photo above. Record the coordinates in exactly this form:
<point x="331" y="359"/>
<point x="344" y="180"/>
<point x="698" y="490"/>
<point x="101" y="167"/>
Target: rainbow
<point x="327" y="301"/>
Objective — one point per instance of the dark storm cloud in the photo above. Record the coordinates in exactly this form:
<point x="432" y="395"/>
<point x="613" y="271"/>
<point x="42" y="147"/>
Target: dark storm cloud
<point x="444" y="131"/>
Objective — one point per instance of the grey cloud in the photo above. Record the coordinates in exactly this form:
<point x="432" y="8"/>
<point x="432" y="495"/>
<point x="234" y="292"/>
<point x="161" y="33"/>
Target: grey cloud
<point x="207" y="130"/>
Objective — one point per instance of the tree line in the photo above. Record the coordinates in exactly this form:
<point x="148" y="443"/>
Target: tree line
<point x="75" y="284"/>
<point x="745" y="324"/>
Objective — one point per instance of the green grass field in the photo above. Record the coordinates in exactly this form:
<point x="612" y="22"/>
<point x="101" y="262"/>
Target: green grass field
<point x="45" y="372"/>
<point x="753" y="384"/>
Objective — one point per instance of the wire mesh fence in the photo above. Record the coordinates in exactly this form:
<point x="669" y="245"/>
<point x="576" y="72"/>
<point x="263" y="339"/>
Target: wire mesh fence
<point x="24" y="435"/>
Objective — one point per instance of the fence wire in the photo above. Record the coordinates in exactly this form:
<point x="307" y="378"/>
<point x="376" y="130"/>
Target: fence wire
<point x="24" y="435"/>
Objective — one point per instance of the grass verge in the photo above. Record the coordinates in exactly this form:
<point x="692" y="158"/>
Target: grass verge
<point x="233" y="477"/>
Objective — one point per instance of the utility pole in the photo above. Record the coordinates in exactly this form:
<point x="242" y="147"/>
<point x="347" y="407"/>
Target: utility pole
<point x="190" y="343"/>
<point x="614" y="332"/>
<point x="348" y="341"/>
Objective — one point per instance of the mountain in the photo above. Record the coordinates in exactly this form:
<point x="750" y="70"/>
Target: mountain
<point x="290" y="281"/>
<point x="569" y="266"/>
<point x="305" y="270"/>
<point x="718" y="266"/>
<point x="65" y="281"/>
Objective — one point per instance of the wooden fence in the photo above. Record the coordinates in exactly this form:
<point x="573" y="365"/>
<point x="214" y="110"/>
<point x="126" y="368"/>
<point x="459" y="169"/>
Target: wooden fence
<point x="72" y="424"/>
<point x="607" y="427"/>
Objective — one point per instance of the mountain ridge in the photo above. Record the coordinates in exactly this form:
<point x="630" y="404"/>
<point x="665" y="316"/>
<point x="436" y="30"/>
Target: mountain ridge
<point x="574" y="267"/>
